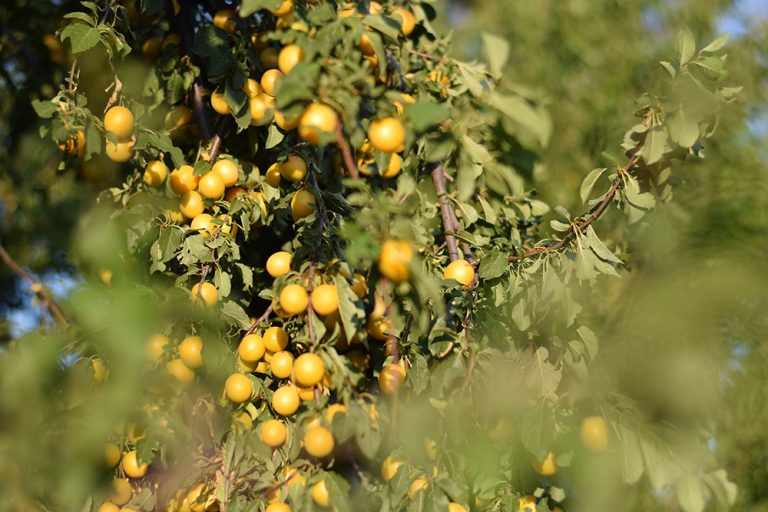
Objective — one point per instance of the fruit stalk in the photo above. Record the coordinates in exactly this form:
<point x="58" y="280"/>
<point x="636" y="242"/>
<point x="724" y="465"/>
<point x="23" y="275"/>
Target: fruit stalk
<point x="349" y="162"/>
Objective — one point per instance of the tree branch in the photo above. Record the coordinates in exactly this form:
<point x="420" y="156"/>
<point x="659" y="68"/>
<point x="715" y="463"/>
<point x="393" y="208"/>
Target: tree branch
<point x="446" y="210"/>
<point x="349" y="162"/>
<point x="37" y="287"/>
<point x="593" y="215"/>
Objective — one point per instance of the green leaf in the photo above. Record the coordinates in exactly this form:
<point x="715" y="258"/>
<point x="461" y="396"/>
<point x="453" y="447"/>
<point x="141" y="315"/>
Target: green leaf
<point x="248" y="7"/>
<point x="494" y="265"/>
<point x="536" y="122"/>
<point x="685" y="45"/>
<point x="351" y="311"/>
<point x="274" y="136"/>
<point x="45" y="109"/>
<point x="669" y="68"/>
<point x="489" y="214"/>
<point x="589" y="339"/>
<point x="599" y="247"/>
<point x="81" y="37"/>
<point x="496" y="51"/>
<point x="683" y="130"/>
<point x="236" y="314"/>
<point x="716" y="45"/>
<point x="631" y="457"/>
<point x="426" y="114"/>
<point x="655" y="145"/>
<point x="589" y="182"/>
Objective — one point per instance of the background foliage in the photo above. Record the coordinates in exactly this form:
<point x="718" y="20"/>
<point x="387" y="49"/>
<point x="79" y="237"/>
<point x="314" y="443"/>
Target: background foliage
<point x="681" y="333"/>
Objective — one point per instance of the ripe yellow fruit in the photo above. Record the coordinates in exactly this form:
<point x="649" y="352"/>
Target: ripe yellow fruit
<point x="151" y="48"/>
<point x="289" y="58"/>
<point x="269" y="81"/>
<point x="208" y="293"/>
<point x="526" y="504"/>
<point x="461" y="271"/>
<point x="244" y="419"/>
<point x="74" y="145"/>
<point x="119" y="120"/>
<point x="121" y="491"/>
<point x="320" y="494"/>
<point x="273" y="175"/>
<point x="407" y="98"/>
<point x="387" y="134"/>
<point x="275" y="339"/>
<point x="183" y="179"/>
<point x="251" y="348"/>
<point x="408" y="21"/>
<point x="219" y="104"/>
<point x="262" y="109"/>
<point x="308" y="370"/>
<point x="285" y="400"/>
<point x="294" y="299"/>
<point x="317" y="123"/>
<point x="211" y="186"/>
<point x="196" y="498"/>
<point x="223" y="20"/>
<point x="594" y="433"/>
<point x="302" y="204"/>
<point x="546" y="467"/>
<point x="390" y="466"/>
<point x="294" y="168"/>
<point x="227" y="171"/>
<point x="366" y="166"/>
<point x="178" y="117"/>
<point x="191" y="204"/>
<point x="394" y="259"/>
<point x="391" y="379"/>
<point x="365" y="45"/>
<point x="281" y="364"/>
<point x="99" y="370"/>
<point x="333" y="410"/>
<point x="325" y="299"/>
<point x="285" y="7"/>
<point x="268" y="58"/>
<point x="108" y="506"/>
<point x="238" y="388"/>
<point x="180" y="372"/>
<point x="112" y="455"/>
<point x="318" y="441"/>
<point x="273" y="433"/>
<point x="417" y="485"/>
<point x="277" y="506"/>
<point x="131" y="465"/>
<point x="379" y="328"/>
<point x="202" y="224"/>
<point x="251" y="88"/>
<point x="155" y="173"/>
<point x="455" y="507"/>
<point x="120" y="151"/>
<point x="287" y="123"/>
<point x="279" y="264"/>
<point x="191" y="351"/>
<point x="359" y="285"/>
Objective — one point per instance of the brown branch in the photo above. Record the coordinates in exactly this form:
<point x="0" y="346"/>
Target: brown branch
<point x="218" y="139"/>
<point x="37" y="287"/>
<point x="264" y="316"/>
<point x="349" y="162"/>
<point x="593" y="215"/>
<point x="446" y="210"/>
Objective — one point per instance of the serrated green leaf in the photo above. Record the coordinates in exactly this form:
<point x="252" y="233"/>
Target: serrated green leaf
<point x="496" y="52"/>
<point x="235" y="314"/>
<point x="425" y="114"/>
<point x="715" y="45"/>
<point x="690" y="493"/>
<point x="494" y="265"/>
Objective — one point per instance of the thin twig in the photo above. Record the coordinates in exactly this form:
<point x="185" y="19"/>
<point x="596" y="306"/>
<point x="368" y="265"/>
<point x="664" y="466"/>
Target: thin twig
<point x="438" y="179"/>
<point x="593" y="215"/>
<point x="349" y="162"/>
<point x="264" y="316"/>
<point x="37" y="287"/>
<point x="218" y="139"/>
